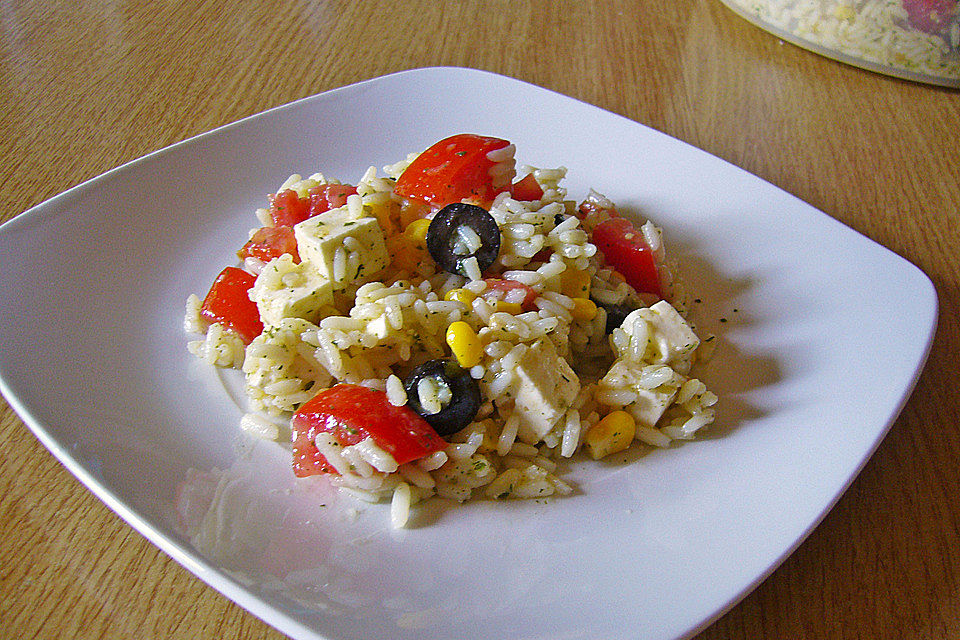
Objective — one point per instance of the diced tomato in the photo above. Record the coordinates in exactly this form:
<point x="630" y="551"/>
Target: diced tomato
<point x="352" y="413"/>
<point x="269" y="243"/>
<point x="307" y="459"/>
<point x="506" y="286"/>
<point x="228" y="303"/>
<point x="527" y="189"/>
<point x="590" y="206"/>
<point x="329" y="196"/>
<point x="455" y="169"/>
<point x="287" y="208"/>
<point x="626" y="251"/>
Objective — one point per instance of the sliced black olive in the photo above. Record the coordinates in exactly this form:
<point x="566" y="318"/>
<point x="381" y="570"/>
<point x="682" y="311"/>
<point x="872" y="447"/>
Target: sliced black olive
<point x="616" y="314"/>
<point x="464" y="402"/>
<point x="447" y="248"/>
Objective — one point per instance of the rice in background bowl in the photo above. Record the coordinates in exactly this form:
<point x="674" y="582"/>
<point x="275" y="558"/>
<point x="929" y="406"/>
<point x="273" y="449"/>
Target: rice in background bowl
<point x="913" y="39"/>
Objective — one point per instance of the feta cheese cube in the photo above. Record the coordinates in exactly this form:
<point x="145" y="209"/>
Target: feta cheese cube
<point x="343" y="247"/>
<point x="656" y="335"/>
<point x="546" y="388"/>
<point x="285" y="289"/>
<point x="648" y="405"/>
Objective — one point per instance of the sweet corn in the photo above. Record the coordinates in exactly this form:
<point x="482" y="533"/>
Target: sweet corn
<point x="513" y="308"/>
<point x="612" y="434"/>
<point x="583" y="309"/>
<point x="411" y="211"/>
<point x="463" y="296"/>
<point x="575" y="283"/>
<point x="489" y="443"/>
<point x="416" y="232"/>
<point x="464" y="343"/>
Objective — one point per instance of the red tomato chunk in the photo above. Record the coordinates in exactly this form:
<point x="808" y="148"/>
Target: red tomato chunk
<point x="287" y="208"/>
<point x="269" y="243"/>
<point x="352" y="413"/>
<point x="329" y="196"/>
<point x="228" y="302"/>
<point x="507" y="286"/>
<point x="589" y="207"/>
<point x="452" y="170"/>
<point x="625" y="250"/>
<point x="527" y="189"/>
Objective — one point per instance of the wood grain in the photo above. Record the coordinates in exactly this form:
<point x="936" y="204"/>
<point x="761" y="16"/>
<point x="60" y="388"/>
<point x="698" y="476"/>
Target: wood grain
<point x="89" y="86"/>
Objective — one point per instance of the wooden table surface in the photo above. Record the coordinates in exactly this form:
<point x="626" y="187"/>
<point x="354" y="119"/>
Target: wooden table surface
<point x="88" y="86"/>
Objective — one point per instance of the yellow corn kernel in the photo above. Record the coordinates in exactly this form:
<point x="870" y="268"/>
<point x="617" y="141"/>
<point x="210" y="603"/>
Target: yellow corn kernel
<point x="411" y="211"/>
<point x="575" y="283"/>
<point x="583" y="309"/>
<point x="416" y="232"/>
<point x="513" y="308"/>
<point x="489" y="443"/>
<point x="464" y="343"/>
<point x="612" y="434"/>
<point x="463" y="296"/>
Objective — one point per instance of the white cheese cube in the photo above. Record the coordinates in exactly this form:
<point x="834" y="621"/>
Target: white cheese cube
<point x="546" y="388"/>
<point x="649" y="404"/>
<point x="671" y="337"/>
<point x="656" y="335"/>
<point x="285" y="289"/>
<point x="344" y="248"/>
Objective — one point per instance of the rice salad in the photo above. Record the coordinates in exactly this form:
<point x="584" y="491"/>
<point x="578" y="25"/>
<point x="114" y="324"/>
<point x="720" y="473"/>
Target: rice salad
<point x="455" y="327"/>
<point x="913" y="36"/>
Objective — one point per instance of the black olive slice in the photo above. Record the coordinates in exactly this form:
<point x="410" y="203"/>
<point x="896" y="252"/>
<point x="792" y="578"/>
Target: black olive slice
<point x="616" y="314"/>
<point x="465" y="395"/>
<point x="444" y="240"/>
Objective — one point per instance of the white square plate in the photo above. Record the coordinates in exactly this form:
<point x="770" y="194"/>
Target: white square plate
<point x="815" y="362"/>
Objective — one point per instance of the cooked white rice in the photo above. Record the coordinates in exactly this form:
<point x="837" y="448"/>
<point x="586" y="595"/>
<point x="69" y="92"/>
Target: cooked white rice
<point x="878" y="31"/>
